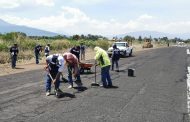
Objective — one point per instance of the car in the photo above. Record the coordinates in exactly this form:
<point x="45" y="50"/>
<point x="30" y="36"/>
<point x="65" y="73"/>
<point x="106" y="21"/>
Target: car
<point x="125" y="49"/>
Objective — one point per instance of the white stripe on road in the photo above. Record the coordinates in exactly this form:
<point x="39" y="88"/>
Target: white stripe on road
<point x="188" y="90"/>
<point x="188" y="52"/>
<point x="188" y="87"/>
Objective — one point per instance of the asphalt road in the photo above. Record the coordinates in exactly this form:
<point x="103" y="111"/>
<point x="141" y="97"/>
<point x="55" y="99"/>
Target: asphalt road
<point x="157" y="93"/>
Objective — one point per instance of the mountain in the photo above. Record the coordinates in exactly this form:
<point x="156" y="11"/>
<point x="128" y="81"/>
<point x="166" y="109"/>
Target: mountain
<point x="155" y="34"/>
<point x="7" y="27"/>
<point x="184" y="35"/>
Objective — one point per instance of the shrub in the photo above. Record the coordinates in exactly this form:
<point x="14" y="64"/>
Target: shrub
<point x="4" y="58"/>
<point x="60" y="44"/>
<point x="25" y="55"/>
<point x="104" y="44"/>
<point x="27" y="44"/>
<point x="3" y="47"/>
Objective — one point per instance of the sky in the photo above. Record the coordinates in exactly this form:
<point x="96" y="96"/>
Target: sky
<point x="100" y="17"/>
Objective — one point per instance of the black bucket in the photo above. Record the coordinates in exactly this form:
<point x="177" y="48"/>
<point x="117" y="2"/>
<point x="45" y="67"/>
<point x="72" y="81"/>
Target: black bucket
<point x="131" y="72"/>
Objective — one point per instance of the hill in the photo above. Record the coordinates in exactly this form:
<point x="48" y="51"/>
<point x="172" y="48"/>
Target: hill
<point x="7" y="27"/>
<point x="155" y="34"/>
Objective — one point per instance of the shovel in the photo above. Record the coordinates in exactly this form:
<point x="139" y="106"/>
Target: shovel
<point x="51" y="77"/>
<point x="94" y="83"/>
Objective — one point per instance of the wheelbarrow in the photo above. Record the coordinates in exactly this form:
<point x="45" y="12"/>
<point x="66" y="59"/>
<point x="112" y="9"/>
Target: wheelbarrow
<point x="85" y="66"/>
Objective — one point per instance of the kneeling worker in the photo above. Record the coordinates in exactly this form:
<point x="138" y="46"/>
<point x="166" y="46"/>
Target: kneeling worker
<point x="54" y="67"/>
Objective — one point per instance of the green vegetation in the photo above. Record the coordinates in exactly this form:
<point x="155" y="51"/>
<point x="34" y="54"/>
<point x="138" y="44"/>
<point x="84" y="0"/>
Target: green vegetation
<point x="59" y="43"/>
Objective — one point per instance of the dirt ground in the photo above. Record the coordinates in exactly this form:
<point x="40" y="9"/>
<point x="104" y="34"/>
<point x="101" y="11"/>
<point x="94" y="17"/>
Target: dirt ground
<point x="28" y="65"/>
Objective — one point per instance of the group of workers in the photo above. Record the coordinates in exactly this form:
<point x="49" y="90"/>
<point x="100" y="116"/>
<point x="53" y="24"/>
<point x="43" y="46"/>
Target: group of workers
<point x="55" y="64"/>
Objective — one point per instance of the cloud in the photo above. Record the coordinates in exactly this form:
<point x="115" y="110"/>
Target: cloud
<point x="87" y="2"/>
<point x="45" y="2"/>
<point x="145" y="17"/>
<point x="11" y="4"/>
<point x="74" y="13"/>
<point x="74" y="21"/>
<point x="176" y="27"/>
<point x="8" y="4"/>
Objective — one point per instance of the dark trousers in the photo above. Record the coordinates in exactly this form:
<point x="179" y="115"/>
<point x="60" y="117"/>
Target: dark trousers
<point x="105" y="76"/>
<point x="78" y="56"/>
<point x="37" y="58"/>
<point x="115" y="62"/>
<point x="13" y="61"/>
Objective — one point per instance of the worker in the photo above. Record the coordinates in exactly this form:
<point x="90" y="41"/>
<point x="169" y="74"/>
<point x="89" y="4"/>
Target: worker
<point x="14" y="52"/>
<point x="37" y="50"/>
<point x="82" y="50"/>
<point x="103" y="60"/>
<point x="73" y="69"/>
<point x="47" y="50"/>
<point x="54" y="67"/>
<point x="115" y="57"/>
<point x="76" y="51"/>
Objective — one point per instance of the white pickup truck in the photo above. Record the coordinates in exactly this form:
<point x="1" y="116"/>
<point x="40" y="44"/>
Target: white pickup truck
<point x="125" y="49"/>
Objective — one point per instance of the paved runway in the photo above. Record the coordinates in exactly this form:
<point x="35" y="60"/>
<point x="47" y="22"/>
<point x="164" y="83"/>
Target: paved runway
<point x="157" y="93"/>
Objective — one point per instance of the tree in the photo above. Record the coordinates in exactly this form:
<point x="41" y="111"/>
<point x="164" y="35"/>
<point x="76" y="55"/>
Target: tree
<point x="164" y="39"/>
<point x="82" y="36"/>
<point x="156" y="39"/>
<point x="129" y="39"/>
<point x="150" y="38"/>
<point x="76" y="37"/>
<point x="12" y="36"/>
<point x="140" y="39"/>
<point x="58" y="37"/>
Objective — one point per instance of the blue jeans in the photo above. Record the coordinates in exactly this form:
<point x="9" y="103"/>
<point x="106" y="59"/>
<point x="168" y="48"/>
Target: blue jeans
<point x="49" y="81"/>
<point x="70" y="79"/>
<point x="13" y="62"/>
<point x="105" y="76"/>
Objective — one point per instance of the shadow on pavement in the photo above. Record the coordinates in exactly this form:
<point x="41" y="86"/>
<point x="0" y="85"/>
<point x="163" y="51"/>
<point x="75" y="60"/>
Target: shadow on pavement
<point x="62" y="95"/>
<point x="81" y="89"/>
<point x="86" y="73"/>
<point x="132" y="76"/>
<point x="18" y="68"/>
<point x="112" y="87"/>
<point x="121" y="70"/>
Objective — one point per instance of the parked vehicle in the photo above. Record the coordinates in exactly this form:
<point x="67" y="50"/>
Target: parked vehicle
<point x="125" y="49"/>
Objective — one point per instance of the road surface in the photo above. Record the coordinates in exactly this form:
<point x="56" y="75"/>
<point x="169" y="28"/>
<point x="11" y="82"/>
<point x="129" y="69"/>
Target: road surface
<point x="157" y="93"/>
